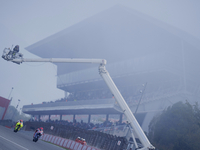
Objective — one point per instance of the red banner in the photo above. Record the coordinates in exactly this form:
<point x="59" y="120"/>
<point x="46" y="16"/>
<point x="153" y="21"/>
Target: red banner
<point x="4" y="103"/>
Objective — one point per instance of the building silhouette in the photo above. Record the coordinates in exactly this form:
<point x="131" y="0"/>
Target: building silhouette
<point x="138" y="48"/>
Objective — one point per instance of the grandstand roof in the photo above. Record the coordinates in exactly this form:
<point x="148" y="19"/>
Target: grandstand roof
<point x="116" y="34"/>
<point x="160" y="54"/>
<point x="105" y="106"/>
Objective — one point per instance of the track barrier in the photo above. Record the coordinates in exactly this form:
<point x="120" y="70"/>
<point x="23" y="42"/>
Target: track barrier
<point x="66" y="143"/>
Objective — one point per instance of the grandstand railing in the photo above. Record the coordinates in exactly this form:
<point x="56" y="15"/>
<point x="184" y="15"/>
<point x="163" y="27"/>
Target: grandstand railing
<point x="120" y="131"/>
<point x="73" y="103"/>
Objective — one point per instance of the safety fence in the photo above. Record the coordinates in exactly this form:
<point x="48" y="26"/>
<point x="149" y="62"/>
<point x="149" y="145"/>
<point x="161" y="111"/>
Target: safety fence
<point x="93" y="138"/>
<point x="122" y="131"/>
<point x="6" y="123"/>
<point x="66" y="143"/>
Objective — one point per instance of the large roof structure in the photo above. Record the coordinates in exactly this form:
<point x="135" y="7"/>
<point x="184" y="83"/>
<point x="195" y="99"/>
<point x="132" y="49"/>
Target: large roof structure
<point x="116" y="34"/>
<point x="106" y="106"/>
<point x="138" y="49"/>
<point x="131" y="42"/>
<point x="134" y="45"/>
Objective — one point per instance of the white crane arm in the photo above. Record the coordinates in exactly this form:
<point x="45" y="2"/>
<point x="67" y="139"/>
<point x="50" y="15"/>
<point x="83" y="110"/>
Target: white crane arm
<point x="105" y="75"/>
<point x="128" y="113"/>
<point x="61" y="60"/>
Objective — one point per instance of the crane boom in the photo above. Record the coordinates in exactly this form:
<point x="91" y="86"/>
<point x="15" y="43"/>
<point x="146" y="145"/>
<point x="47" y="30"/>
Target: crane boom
<point x="61" y="60"/>
<point x="113" y="88"/>
<point x="128" y="113"/>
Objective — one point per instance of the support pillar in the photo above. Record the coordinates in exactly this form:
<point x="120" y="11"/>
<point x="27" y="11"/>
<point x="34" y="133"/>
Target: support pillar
<point x="60" y="117"/>
<point x="120" y="118"/>
<point x="49" y="118"/>
<point x="89" y="117"/>
<point x="107" y="116"/>
<point x="74" y="118"/>
<point x="39" y="118"/>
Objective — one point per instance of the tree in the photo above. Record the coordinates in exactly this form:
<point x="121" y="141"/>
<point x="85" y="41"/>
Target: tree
<point x="177" y="128"/>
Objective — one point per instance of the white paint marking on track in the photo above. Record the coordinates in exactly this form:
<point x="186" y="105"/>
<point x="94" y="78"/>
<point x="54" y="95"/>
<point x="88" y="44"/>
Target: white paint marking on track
<point x="14" y="143"/>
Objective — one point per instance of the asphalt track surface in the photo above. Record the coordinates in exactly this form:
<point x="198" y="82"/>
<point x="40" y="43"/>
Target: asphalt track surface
<point x="22" y="140"/>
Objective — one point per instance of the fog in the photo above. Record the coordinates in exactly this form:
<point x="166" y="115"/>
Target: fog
<point x="172" y="26"/>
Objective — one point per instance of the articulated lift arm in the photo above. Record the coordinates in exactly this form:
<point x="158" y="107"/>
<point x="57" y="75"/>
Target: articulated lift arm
<point x="122" y="103"/>
<point x="105" y="75"/>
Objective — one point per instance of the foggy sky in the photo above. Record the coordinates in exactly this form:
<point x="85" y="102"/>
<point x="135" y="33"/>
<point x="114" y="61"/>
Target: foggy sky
<point x="27" y="22"/>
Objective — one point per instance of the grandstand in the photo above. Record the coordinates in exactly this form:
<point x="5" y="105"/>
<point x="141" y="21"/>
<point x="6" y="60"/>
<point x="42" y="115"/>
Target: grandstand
<point x="139" y="49"/>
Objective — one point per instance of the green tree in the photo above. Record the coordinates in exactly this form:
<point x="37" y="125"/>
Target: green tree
<point x="176" y="128"/>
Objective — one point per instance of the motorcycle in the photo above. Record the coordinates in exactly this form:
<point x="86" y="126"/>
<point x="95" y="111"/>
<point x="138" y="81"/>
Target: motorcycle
<point x="8" y="54"/>
<point x="17" y="128"/>
<point x="37" y="135"/>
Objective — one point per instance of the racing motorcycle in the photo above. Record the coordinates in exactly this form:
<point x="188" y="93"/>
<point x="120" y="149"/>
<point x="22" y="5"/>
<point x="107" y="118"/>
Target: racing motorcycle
<point x="8" y="54"/>
<point x="17" y="128"/>
<point x="37" y="135"/>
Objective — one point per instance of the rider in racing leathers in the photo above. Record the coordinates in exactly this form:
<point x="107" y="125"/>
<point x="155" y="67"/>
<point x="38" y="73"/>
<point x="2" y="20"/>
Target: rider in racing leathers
<point x="20" y="124"/>
<point x="38" y="130"/>
<point x="15" y="50"/>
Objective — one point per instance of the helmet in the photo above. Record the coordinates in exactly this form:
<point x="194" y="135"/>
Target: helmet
<point x="17" y="46"/>
<point x="21" y="120"/>
<point x="41" y="128"/>
<point x="78" y="137"/>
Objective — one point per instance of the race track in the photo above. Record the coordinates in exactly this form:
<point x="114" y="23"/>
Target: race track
<point x="22" y="140"/>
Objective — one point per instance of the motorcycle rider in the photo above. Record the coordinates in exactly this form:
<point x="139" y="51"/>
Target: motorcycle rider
<point x="15" y="50"/>
<point x="38" y="130"/>
<point x="20" y="124"/>
<point x="41" y="130"/>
